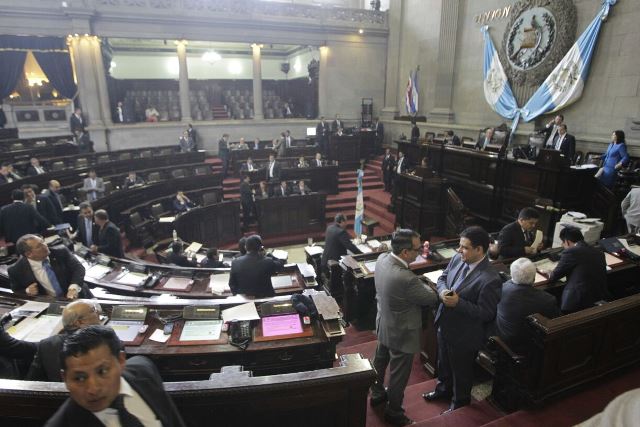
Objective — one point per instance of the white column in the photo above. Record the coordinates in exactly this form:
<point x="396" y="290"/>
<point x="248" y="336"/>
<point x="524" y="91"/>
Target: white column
<point x="101" y="79"/>
<point x="322" y="82"/>
<point x="257" y="82"/>
<point x="394" y="47"/>
<point x="183" y="81"/>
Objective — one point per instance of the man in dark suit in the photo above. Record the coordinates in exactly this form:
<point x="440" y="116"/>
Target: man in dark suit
<point x="336" y="124"/>
<point x="223" y="153"/>
<point x="318" y="162"/>
<point x="452" y="139"/>
<point x="515" y="239"/>
<point x="19" y="218"/>
<point x="470" y="290"/>
<point x="388" y="165"/>
<point x="483" y="142"/>
<point x="99" y="376"/>
<point x="212" y="260"/>
<point x="178" y="258"/>
<point x="46" y="363"/>
<point x="586" y="270"/>
<point x="301" y="189"/>
<point x="86" y="230"/>
<point x="44" y="271"/>
<point x="273" y="169"/>
<point x="35" y="168"/>
<point x="378" y="128"/>
<point x="415" y="132"/>
<point x="122" y="114"/>
<point x="282" y="190"/>
<point x="401" y="295"/>
<point x="322" y="134"/>
<point x="40" y="202"/>
<point x="248" y="166"/>
<point x="565" y="143"/>
<point x="337" y="241"/>
<point x="251" y="273"/>
<point x="519" y="300"/>
<point x="6" y="174"/>
<point x="132" y="180"/>
<point x="76" y="123"/>
<point x="246" y="200"/>
<point x="551" y="131"/>
<point x="55" y="200"/>
<point x="108" y="242"/>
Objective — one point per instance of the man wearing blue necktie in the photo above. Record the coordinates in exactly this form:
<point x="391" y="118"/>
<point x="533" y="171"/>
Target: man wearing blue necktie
<point x="86" y="230"/>
<point x="470" y="290"/>
<point x="43" y="271"/>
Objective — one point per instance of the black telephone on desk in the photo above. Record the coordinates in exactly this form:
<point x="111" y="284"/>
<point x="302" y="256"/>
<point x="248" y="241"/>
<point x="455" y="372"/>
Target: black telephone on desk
<point x="240" y="333"/>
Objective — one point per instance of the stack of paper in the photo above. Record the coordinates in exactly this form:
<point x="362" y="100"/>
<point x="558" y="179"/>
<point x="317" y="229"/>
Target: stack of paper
<point x="201" y="330"/>
<point x="35" y="329"/>
<point x="280" y="254"/>
<point x="97" y="271"/>
<point x="313" y="250"/>
<point x="433" y="276"/>
<point x="30" y="309"/>
<point x="371" y="266"/>
<point x="246" y="311"/>
<point x="131" y="278"/>
<point x="306" y="270"/>
<point x="126" y="330"/>
<point x="165" y="219"/>
<point x="177" y="284"/>
<point x="364" y="248"/>
<point x="374" y="244"/>
<point x="219" y="283"/>
<point x="280" y="282"/>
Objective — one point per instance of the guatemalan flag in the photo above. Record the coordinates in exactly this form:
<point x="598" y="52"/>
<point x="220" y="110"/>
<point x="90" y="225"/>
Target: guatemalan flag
<point x="357" y="226"/>
<point x="497" y="91"/>
<point x="565" y="83"/>
<point x="411" y="96"/>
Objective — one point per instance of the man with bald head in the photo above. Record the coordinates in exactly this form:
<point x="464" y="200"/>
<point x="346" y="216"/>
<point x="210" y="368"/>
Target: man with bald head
<point x="46" y="363"/>
<point x="53" y="196"/>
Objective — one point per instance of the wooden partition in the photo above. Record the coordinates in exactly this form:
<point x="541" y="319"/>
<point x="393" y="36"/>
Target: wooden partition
<point x="212" y="225"/>
<point x="292" y="214"/>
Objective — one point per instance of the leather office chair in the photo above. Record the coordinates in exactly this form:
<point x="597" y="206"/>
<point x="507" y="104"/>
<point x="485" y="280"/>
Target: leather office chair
<point x="201" y="170"/>
<point x="108" y="187"/>
<point x="157" y="210"/>
<point x="103" y="158"/>
<point x="135" y="219"/>
<point x="145" y="154"/>
<point x="209" y="199"/>
<point x="178" y="173"/>
<point x="577" y="158"/>
<point x="81" y="163"/>
<point x="154" y="177"/>
<point x="124" y="156"/>
<point x="429" y="136"/>
<point x="16" y="146"/>
<point x="166" y="151"/>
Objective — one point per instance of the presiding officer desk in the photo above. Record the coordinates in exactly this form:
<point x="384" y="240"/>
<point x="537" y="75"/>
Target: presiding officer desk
<point x="324" y="178"/>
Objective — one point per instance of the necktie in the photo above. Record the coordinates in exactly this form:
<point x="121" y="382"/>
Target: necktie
<point x="87" y="225"/>
<point x="559" y="143"/>
<point x="127" y="419"/>
<point x="461" y="277"/>
<point x="52" y="277"/>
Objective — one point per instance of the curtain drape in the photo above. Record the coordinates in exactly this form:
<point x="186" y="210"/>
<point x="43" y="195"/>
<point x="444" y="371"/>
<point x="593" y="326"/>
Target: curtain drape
<point x="57" y="68"/>
<point x="11" y="69"/>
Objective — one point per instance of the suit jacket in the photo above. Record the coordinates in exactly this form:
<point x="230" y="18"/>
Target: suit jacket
<point x="415" y="133"/>
<point x="144" y="378"/>
<point x="212" y="263"/>
<point x="82" y="232"/>
<point x="455" y="140"/>
<point x="251" y="275"/>
<point x="223" y="148"/>
<point x="109" y="241"/>
<point x="246" y="195"/>
<point x="55" y="207"/>
<point x="245" y="167"/>
<point x="98" y="189"/>
<point x="480" y="143"/>
<point x="296" y="190"/>
<point x="46" y="363"/>
<point x="18" y="219"/>
<point x="388" y="164"/>
<point x="322" y="130"/>
<point x="547" y="131"/>
<point x="180" y="260"/>
<point x="67" y="268"/>
<point x="400" y="295"/>
<point x="467" y="324"/>
<point x="75" y="124"/>
<point x="586" y="271"/>
<point x="336" y="243"/>
<point x="276" y="191"/>
<point x="129" y="183"/>
<point x="15" y="349"/>
<point x="511" y="241"/>
<point x="379" y="130"/>
<point x="276" y="172"/>
<point x="568" y="146"/>
<point x="403" y="167"/>
<point x="336" y="124"/>
<point x="31" y="171"/>
<point x="314" y="163"/>
<point x="517" y="302"/>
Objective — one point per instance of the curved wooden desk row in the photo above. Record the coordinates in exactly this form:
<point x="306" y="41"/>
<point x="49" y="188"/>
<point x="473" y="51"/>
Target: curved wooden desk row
<point x="323" y="178"/>
<point x="334" y="397"/>
<point x="6" y="142"/>
<point x="236" y="156"/>
<point x="55" y="149"/>
<point x="72" y="176"/>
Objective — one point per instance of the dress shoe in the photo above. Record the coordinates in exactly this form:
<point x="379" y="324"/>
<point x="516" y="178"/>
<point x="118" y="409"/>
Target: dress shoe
<point x="398" y="420"/>
<point x="435" y="395"/>
<point x="453" y="408"/>
<point x="378" y="400"/>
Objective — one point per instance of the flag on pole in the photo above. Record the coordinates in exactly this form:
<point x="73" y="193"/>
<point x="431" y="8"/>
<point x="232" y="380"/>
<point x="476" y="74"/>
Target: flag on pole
<point x="411" y="96"/>
<point x="497" y="90"/>
<point x="357" y="226"/>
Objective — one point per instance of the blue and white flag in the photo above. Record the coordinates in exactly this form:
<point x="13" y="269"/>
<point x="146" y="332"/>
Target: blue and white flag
<point x="357" y="226"/>
<point x="411" y="96"/>
<point x="565" y="83"/>
<point x="497" y="91"/>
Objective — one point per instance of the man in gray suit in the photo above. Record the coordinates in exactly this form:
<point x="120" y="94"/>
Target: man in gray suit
<point x="93" y="186"/>
<point x="470" y="290"/>
<point x="401" y="295"/>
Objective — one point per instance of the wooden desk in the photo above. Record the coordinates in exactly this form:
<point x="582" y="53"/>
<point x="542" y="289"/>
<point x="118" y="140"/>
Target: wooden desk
<point x="348" y="150"/>
<point x="292" y="214"/>
<point x="421" y="204"/>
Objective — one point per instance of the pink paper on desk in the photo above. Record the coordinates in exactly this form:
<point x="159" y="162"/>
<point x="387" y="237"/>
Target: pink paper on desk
<point x="281" y="325"/>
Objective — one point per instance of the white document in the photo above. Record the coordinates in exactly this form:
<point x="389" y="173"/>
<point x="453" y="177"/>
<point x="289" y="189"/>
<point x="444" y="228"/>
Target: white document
<point x="371" y="266"/>
<point x="446" y="253"/>
<point x="537" y="240"/>
<point x="545" y="265"/>
<point x="279" y="282"/>
<point x="201" y="330"/>
<point x="35" y="329"/>
<point x="433" y="276"/>
<point x="364" y="248"/>
<point x="306" y="270"/>
<point x="159" y="336"/>
<point x="166" y="219"/>
<point x="177" y="284"/>
<point x="30" y="309"/>
<point x="313" y="250"/>
<point x="200" y="258"/>
<point x="219" y="283"/>
<point x="635" y="249"/>
<point x="131" y="278"/>
<point x="97" y="271"/>
<point x="126" y="330"/>
<point x="193" y="247"/>
<point x="373" y="243"/>
<point x="575" y="214"/>
<point x="280" y="254"/>
<point x="241" y="312"/>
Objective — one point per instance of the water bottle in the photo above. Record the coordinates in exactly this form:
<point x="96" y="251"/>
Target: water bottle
<point x="175" y="236"/>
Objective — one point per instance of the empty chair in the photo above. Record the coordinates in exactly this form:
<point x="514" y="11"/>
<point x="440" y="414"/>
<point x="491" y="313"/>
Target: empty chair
<point x="108" y="187"/>
<point x="103" y="158"/>
<point x="178" y="173"/>
<point x="40" y="143"/>
<point x="209" y="199"/>
<point x="124" y="156"/>
<point x="16" y="146"/>
<point x="57" y="166"/>
<point x="81" y="163"/>
<point x="201" y="170"/>
<point x="154" y="177"/>
<point x="135" y="219"/>
<point x="145" y="154"/>
<point x="157" y="210"/>
<point x="166" y="151"/>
